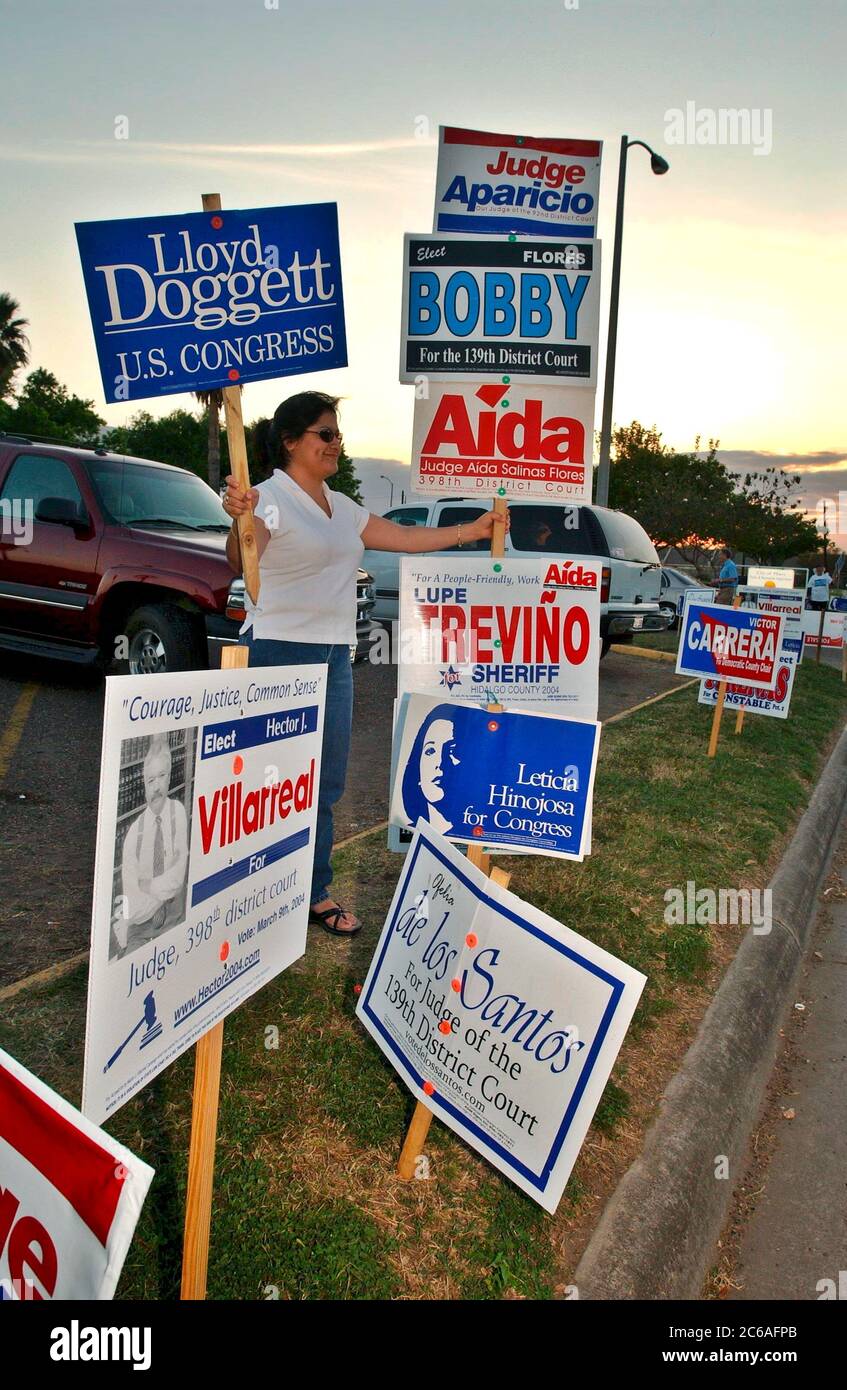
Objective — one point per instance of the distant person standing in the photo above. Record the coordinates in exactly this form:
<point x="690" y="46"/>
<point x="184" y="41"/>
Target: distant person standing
<point x="727" y="579"/>
<point x="818" y="588"/>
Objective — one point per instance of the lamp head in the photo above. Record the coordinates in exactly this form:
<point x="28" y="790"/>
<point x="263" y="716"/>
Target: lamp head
<point x="658" y="165"/>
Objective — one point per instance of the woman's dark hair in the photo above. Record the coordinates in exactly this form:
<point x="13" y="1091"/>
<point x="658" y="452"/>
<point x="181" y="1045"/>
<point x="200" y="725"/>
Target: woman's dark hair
<point x="415" y="803"/>
<point x="290" y="420"/>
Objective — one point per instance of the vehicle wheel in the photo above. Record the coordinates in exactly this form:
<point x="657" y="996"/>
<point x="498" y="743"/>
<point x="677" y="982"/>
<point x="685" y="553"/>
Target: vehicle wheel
<point x="161" y="637"/>
<point x="670" y="612"/>
<point x="605" y="644"/>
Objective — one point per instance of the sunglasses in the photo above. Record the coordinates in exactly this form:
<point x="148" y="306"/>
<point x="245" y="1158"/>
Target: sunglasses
<point x="327" y="435"/>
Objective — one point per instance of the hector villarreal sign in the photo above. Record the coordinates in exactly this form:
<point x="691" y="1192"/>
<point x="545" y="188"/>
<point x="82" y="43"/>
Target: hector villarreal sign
<point x="205" y="843"/>
<point x="212" y="299"/>
<point x="516" y="183"/>
<point x="486" y="306"/>
<point x="502" y="1021"/>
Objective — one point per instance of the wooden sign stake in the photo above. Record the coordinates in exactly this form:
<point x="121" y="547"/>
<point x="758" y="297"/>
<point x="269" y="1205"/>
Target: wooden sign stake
<point x="476" y="855"/>
<point x="207" y="1054"/>
<point x="204" y="1122"/>
<point x="237" y="447"/>
<point x="739" y="721"/>
<point x="716" y="719"/>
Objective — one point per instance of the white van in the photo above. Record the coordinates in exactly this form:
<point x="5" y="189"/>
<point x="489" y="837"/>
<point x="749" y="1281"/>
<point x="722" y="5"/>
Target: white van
<point x="629" y="595"/>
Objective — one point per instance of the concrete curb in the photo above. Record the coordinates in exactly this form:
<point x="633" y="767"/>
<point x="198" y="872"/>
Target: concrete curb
<point x="658" y="1233"/>
<point x="648" y="653"/>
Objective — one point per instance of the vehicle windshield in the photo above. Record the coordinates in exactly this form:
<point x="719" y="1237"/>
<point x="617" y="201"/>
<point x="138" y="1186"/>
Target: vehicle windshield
<point x="136" y="495"/>
<point x="627" y="538"/>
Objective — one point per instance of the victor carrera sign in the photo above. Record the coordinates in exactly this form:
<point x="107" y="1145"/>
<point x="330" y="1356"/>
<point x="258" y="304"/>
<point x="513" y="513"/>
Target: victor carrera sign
<point x="211" y="299"/>
<point x="737" y="645"/>
<point x="505" y="1023"/>
<point x="472" y="308"/>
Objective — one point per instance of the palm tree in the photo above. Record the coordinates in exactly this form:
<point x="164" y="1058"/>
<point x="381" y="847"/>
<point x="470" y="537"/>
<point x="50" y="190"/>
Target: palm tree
<point x="14" y="345"/>
<point x="212" y="402"/>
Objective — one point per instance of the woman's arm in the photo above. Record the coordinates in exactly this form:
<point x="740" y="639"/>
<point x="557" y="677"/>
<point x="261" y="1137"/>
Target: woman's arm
<point x="380" y="534"/>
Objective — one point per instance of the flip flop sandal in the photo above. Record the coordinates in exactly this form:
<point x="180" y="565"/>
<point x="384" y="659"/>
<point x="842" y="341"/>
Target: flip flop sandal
<point x="329" y="921"/>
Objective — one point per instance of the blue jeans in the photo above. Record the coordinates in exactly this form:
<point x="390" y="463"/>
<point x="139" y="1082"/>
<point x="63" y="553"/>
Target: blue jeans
<point x="338" y="721"/>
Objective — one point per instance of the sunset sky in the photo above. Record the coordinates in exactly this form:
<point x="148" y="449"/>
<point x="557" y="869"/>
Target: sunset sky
<point x="732" y="303"/>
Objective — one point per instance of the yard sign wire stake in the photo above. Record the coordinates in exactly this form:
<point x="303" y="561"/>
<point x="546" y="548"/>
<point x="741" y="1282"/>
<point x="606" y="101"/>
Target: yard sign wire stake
<point x="237" y="447"/>
<point x="476" y="855"/>
<point x="716" y="719"/>
<point x="207" y="1053"/>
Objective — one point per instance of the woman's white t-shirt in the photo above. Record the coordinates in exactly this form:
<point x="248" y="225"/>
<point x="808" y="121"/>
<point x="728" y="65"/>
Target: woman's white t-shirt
<point x="307" y="573"/>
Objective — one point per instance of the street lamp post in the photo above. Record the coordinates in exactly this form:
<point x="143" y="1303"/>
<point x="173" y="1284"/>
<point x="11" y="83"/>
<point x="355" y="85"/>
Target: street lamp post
<point x="659" y="166"/>
<point x="391" y="485"/>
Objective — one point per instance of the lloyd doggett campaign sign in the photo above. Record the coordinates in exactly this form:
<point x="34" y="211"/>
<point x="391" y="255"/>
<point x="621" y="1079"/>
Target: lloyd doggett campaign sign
<point x="516" y="183"/>
<point x="510" y="780"/>
<point x="205" y="842"/>
<point x="472" y="308"/>
<point x="516" y="439"/>
<point x="70" y="1195"/>
<point x="480" y="631"/>
<point x="211" y="299"/>
<point x="738" y="645"/>
<point x="505" y="1023"/>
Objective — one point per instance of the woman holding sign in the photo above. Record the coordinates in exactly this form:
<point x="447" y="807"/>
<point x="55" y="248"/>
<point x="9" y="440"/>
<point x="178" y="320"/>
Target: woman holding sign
<point x="309" y="541"/>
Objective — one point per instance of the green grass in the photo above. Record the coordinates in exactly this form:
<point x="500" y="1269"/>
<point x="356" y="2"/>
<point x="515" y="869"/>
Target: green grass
<point x="306" y="1204"/>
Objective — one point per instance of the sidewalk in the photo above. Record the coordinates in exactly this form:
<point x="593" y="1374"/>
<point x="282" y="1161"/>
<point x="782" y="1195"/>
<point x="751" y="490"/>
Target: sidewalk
<point x="795" y="1232"/>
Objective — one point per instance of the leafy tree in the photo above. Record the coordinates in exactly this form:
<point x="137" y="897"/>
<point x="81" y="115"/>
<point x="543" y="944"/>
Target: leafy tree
<point x="212" y="402"/>
<point x="14" y="347"/>
<point x="695" y="504"/>
<point x="681" y="500"/>
<point x="766" y="519"/>
<point x="179" y="438"/>
<point x="45" y="407"/>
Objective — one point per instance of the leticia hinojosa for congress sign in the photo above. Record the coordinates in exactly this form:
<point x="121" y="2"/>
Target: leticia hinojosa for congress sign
<point x="732" y="644"/>
<point x="205" y="843"/>
<point x="70" y="1195"/>
<point x="501" y="1020"/>
<point x="211" y="299"/>
<point x="516" y="183"/>
<point x="520" y="782"/>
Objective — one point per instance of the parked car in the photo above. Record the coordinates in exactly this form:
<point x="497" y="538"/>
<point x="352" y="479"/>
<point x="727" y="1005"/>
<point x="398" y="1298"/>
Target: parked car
<point x="674" y="583"/>
<point x="631" y="572"/>
<point x="97" y="547"/>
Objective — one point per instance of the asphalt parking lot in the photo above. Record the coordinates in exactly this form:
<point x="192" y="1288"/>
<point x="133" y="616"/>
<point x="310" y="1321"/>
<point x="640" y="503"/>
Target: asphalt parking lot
<point x="51" y="722"/>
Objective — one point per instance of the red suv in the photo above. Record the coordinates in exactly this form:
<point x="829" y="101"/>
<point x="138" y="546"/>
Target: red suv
<point x="117" y="559"/>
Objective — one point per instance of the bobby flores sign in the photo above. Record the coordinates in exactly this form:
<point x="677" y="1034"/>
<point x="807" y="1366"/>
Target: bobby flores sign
<point x="503" y="1022"/>
<point x="729" y="644"/>
<point x="211" y="299"/>
<point x="70" y="1195"/>
<point x="515" y="183"/>
<point x="479" y="631"/>
<point x="528" y="440"/>
<point x="205" y="843"/>
<point x="478" y="307"/>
